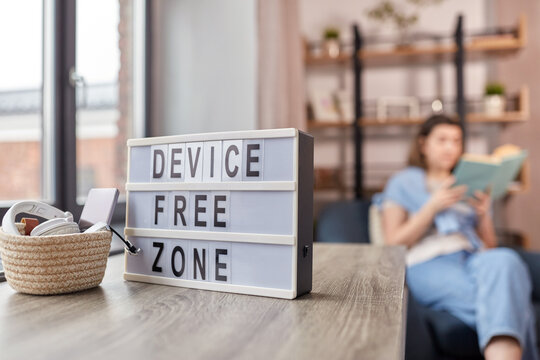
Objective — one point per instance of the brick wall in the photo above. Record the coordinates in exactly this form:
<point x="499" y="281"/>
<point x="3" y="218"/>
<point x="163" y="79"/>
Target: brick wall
<point x="20" y="164"/>
<point x="97" y="162"/>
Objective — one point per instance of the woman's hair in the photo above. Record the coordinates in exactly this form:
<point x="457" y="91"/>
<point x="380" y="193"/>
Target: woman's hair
<point x="416" y="157"/>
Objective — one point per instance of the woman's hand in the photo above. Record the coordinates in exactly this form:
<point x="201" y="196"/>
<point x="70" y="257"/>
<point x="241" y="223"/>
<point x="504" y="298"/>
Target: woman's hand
<point x="480" y="203"/>
<point x="446" y="195"/>
<point x="400" y="229"/>
<point x="485" y="229"/>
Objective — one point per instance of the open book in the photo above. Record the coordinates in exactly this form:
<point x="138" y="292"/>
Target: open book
<point x="492" y="173"/>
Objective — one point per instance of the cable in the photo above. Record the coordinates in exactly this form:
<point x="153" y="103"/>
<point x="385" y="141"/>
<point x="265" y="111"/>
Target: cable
<point x="129" y="246"/>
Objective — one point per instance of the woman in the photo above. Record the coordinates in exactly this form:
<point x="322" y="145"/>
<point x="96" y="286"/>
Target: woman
<point x="453" y="264"/>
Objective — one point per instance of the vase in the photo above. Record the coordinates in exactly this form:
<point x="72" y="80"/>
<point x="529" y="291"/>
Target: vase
<point x="331" y="47"/>
<point x="494" y="105"/>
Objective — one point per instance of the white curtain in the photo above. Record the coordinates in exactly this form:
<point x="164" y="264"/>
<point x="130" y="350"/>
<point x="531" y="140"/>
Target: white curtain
<point x="281" y="97"/>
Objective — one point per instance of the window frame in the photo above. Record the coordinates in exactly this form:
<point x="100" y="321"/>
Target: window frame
<point x="58" y="162"/>
<point x="59" y="167"/>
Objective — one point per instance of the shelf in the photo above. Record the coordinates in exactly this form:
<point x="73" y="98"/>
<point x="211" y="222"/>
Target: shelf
<point x="475" y="48"/>
<point x="315" y="124"/>
<point x="523" y="180"/>
<point x="506" y="118"/>
<point x="516" y="116"/>
<point x="509" y="117"/>
<point x="326" y="179"/>
<point x="329" y="189"/>
<point x="342" y="59"/>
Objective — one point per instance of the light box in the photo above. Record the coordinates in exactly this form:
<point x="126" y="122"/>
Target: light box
<point x="229" y="211"/>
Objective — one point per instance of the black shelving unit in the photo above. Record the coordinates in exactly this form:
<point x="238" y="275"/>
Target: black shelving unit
<point x="358" y="114"/>
<point x="459" y="62"/>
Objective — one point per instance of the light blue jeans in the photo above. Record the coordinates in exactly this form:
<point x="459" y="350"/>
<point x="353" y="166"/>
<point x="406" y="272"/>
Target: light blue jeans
<point x="490" y="291"/>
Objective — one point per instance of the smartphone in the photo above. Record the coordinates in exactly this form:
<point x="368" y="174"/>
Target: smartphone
<point x="99" y="206"/>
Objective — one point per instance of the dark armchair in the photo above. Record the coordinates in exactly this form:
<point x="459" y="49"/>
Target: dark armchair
<point x="430" y="334"/>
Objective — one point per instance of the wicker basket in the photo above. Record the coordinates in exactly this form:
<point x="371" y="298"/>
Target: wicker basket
<point x="54" y="264"/>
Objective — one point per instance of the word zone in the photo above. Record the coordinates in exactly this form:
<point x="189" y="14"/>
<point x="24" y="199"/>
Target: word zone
<point x="209" y="161"/>
<point x="192" y="260"/>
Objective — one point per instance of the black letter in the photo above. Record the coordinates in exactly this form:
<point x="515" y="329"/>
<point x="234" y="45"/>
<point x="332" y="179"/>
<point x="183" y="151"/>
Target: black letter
<point x="157" y="208"/>
<point x="156" y="268"/>
<point x="199" y="210"/>
<point x="251" y="159"/>
<point x="212" y="161"/>
<point x="197" y="262"/>
<point x="220" y="265"/>
<point x="192" y="166"/>
<point x="181" y="251"/>
<point x="159" y="174"/>
<point x="175" y="162"/>
<point x="218" y="210"/>
<point x="179" y="211"/>
<point x="235" y="171"/>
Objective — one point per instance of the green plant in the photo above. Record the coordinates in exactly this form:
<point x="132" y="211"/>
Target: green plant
<point x="331" y="33"/>
<point x="494" y="89"/>
<point x="387" y="11"/>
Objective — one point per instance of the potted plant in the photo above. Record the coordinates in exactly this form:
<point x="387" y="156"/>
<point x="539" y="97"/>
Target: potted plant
<point x="386" y="11"/>
<point x="494" y="101"/>
<point x="331" y="42"/>
<point x="403" y="15"/>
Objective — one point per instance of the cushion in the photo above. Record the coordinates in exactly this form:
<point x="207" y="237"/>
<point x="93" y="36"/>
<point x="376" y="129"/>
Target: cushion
<point x="376" y="234"/>
<point x="344" y="222"/>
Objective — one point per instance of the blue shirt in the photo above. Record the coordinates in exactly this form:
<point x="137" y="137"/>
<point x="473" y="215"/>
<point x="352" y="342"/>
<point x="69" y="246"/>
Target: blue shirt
<point x="408" y="188"/>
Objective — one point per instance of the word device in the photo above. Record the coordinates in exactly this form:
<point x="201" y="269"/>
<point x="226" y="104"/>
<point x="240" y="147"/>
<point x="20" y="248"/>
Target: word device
<point x="229" y="211"/>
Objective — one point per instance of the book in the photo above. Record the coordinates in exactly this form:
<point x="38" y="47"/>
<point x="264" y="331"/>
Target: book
<point x="493" y="173"/>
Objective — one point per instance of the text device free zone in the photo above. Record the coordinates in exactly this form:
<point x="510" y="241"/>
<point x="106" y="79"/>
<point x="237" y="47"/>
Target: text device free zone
<point x="209" y="161"/>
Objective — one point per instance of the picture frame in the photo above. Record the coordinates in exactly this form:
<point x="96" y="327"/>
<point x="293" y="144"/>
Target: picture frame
<point x="324" y="106"/>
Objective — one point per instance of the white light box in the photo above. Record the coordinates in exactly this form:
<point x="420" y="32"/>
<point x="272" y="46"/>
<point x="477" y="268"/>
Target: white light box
<point x="228" y="211"/>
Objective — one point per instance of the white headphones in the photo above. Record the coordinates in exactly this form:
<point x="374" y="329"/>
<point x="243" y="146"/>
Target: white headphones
<point x="60" y="222"/>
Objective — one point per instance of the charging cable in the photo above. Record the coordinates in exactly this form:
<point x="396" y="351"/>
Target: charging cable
<point x="131" y="249"/>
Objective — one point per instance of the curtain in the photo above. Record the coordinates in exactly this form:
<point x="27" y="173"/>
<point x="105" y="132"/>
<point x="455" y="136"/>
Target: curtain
<point x="281" y="95"/>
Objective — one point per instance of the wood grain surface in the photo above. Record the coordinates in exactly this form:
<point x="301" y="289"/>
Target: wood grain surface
<point x="355" y="311"/>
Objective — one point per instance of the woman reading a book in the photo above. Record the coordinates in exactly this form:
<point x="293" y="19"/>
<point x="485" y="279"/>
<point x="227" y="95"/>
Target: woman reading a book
<point x="453" y="262"/>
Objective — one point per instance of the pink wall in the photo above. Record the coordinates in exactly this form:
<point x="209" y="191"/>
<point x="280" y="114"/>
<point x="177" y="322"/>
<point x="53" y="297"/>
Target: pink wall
<point x="522" y="211"/>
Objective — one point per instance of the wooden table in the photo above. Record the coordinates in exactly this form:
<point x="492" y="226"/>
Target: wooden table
<point x="355" y="311"/>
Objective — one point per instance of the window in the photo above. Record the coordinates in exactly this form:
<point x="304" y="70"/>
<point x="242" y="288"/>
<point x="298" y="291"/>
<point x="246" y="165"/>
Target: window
<point x="73" y="77"/>
<point x="21" y="91"/>
<point x="104" y="99"/>
<point x="106" y="71"/>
